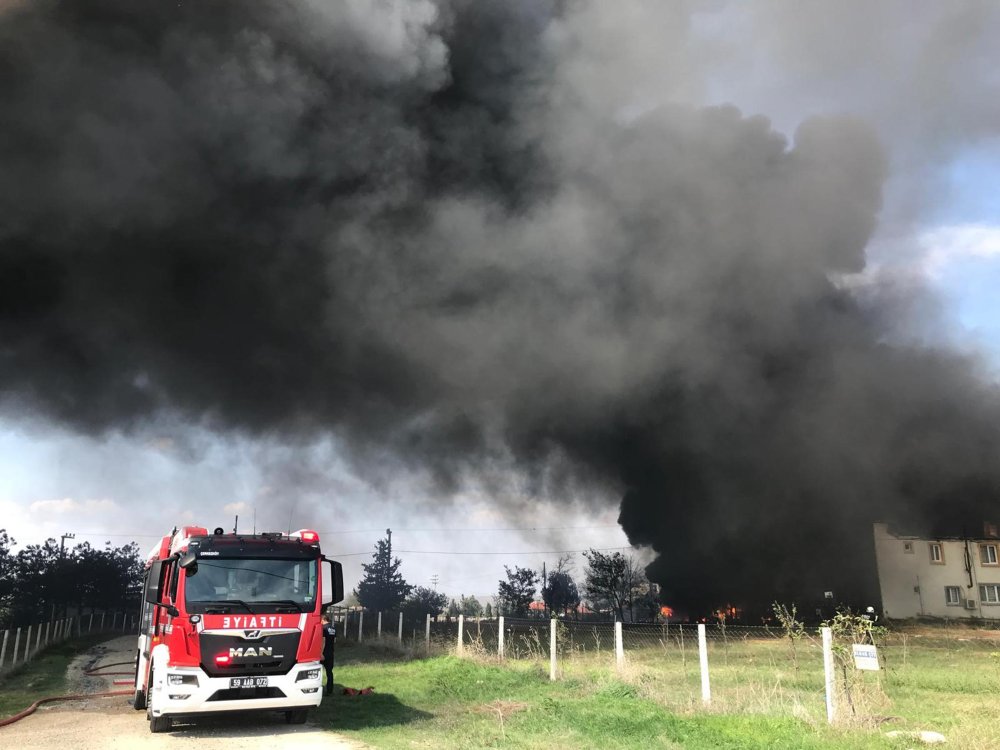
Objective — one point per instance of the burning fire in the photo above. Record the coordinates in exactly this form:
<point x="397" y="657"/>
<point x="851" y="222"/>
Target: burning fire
<point x="667" y="611"/>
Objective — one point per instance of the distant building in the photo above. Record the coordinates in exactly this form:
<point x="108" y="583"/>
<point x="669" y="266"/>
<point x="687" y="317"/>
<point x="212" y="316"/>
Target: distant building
<point x="947" y="577"/>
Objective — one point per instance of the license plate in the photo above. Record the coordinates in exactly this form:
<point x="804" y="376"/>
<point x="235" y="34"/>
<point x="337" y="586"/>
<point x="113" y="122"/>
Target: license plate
<point x="247" y="682"/>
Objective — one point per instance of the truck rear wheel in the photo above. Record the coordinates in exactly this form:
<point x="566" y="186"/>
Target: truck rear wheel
<point x="298" y="716"/>
<point x="139" y="701"/>
<point x="159" y="724"/>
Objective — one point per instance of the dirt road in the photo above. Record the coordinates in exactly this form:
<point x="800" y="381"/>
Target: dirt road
<point x="111" y="723"/>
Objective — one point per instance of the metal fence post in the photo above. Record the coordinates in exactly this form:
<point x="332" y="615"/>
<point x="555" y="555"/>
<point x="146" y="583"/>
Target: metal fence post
<point x="706" y="688"/>
<point x="378" y="628"/>
<point x="619" y="645"/>
<point x="500" y="634"/>
<point x="427" y="634"/>
<point x="828" y="674"/>
<point x="552" y="649"/>
<point x="461" y="634"/>
<point x="400" y="629"/>
<point x="361" y="621"/>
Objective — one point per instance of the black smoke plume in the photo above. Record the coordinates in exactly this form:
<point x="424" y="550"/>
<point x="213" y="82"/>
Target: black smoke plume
<point x="411" y="224"/>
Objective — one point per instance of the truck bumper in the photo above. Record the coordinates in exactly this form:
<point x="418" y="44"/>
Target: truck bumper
<point x="199" y="693"/>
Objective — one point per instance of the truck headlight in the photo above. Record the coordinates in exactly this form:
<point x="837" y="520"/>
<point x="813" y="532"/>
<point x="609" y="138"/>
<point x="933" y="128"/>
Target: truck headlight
<point x="308" y="674"/>
<point x="182" y="679"/>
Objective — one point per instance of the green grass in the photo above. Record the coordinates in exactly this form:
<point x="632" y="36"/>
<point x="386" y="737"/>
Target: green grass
<point x="43" y="676"/>
<point x="446" y="702"/>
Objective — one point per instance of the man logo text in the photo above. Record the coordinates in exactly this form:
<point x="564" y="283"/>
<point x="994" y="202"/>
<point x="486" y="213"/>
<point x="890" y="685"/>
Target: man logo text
<point x="235" y="653"/>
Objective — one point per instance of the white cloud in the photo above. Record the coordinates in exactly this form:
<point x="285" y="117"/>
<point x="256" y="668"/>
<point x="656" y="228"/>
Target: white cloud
<point x="69" y="505"/>
<point x="946" y="245"/>
<point x="235" y="507"/>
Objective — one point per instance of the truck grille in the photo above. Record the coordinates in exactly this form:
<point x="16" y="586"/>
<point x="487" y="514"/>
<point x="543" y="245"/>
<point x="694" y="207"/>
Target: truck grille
<point x="283" y="648"/>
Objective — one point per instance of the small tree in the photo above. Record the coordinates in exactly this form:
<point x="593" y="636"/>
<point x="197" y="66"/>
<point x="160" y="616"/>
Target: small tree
<point x="422" y="602"/>
<point x="559" y="591"/>
<point x="514" y="596"/>
<point x="453" y="609"/>
<point x="488" y="612"/>
<point x="613" y="581"/>
<point x="383" y="587"/>
<point x="470" y="606"/>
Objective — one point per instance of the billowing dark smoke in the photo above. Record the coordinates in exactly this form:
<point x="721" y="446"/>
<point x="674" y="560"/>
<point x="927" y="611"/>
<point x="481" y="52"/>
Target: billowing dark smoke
<point x="406" y="222"/>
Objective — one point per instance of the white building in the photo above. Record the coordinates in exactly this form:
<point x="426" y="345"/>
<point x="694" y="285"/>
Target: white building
<point x="949" y="577"/>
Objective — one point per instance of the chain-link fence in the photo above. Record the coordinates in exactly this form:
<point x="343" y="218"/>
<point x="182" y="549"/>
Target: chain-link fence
<point x="756" y="669"/>
<point x="18" y="645"/>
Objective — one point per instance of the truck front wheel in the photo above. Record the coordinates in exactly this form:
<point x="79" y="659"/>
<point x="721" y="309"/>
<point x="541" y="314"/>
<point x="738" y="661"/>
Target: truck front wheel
<point x="298" y="716"/>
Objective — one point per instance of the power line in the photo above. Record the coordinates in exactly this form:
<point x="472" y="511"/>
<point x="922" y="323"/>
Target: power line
<point x="508" y="552"/>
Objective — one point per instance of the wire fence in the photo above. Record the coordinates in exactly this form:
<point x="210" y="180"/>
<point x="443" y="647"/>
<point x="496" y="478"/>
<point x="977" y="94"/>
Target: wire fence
<point x="20" y="645"/>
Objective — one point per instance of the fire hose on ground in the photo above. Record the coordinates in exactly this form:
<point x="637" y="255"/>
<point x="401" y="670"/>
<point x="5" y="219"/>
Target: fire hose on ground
<point x="95" y="672"/>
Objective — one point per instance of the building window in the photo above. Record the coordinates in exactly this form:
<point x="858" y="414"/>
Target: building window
<point x="908" y="548"/>
<point x="937" y="553"/>
<point x="952" y="595"/>
<point x="988" y="554"/>
<point x="989" y="593"/>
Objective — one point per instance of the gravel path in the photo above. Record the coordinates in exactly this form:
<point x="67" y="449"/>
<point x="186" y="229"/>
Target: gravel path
<point x="111" y="723"/>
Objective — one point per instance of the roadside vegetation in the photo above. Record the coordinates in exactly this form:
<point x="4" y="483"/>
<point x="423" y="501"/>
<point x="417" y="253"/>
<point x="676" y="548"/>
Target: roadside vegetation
<point x="43" y="676"/>
<point x="939" y="682"/>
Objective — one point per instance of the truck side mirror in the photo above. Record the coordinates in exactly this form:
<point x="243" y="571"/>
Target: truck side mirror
<point x="154" y="582"/>
<point x="189" y="563"/>
<point x="333" y="582"/>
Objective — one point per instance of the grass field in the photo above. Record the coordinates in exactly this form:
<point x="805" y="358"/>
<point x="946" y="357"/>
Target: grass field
<point x="942" y="682"/>
<point x="42" y="676"/>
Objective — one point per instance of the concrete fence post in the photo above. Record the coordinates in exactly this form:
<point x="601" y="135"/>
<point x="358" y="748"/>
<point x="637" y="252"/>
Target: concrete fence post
<point x="48" y="627"/>
<point x="17" y="645"/>
<point x="461" y="634"/>
<point x="3" y="648"/>
<point x="427" y="634"/>
<point x="38" y="638"/>
<point x="361" y="622"/>
<point x="102" y="620"/>
<point x="400" y="636"/>
<point x="500" y="634"/>
<point x="27" y="645"/>
<point x="552" y="649"/>
<point x="706" y="688"/>
<point x="828" y="674"/>
<point x="378" y="629"/>
<point x="619" y="645"/>
<point x="90" y="626"/>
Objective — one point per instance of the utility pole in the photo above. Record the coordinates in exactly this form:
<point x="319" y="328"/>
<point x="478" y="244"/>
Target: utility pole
<point x="62" y="554"/>
<point x="545" y="605"/>
<point x="434" y="581"/>
<point x="388" y="533"/>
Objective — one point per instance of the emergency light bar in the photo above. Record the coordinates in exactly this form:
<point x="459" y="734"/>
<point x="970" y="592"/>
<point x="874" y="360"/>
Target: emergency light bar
<point x="306" y="535"/>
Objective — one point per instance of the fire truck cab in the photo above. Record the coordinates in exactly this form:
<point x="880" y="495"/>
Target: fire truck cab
<point x="231" y="622"/>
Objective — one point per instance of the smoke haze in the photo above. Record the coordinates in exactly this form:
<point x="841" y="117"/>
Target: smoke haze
<point x="466" y="235"/>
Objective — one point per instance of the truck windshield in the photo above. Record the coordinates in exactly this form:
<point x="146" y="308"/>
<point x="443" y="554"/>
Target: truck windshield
<point x="251" y="585"/>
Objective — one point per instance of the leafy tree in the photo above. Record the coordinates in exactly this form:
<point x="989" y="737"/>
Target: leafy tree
<point x="453" y="609"/>
<point x="559" y="592"/>
<point x="470" y="606"/>
<point x="514" y="596"/>
<point x="488" y="612"/>
<point x="613" y="581"/>
<point x="50" y="580"/>
<point x="422" y="602"/>
<point x="383" y="587"/>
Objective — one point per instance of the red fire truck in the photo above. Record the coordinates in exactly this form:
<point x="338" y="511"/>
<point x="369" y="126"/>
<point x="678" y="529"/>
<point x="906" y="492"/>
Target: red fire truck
<point x="231" y="622"/>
